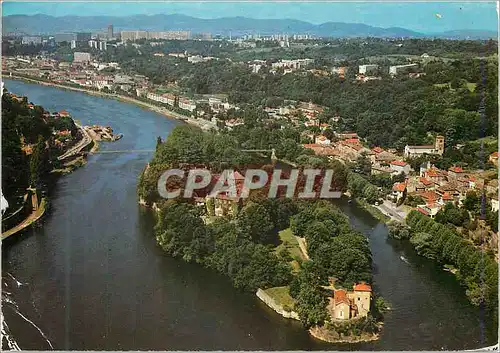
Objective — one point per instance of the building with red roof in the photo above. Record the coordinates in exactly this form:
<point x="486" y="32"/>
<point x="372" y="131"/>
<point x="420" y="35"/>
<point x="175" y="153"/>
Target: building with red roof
<point x="429" y="196"/>
<point x="399" y="167"/>
<point x="398" y="190"/>
<point x="63" y="113"/>
<point x="345" y="305"/>
<point x="493" y="158"/>
<point x="455" y="172"/>
<point x="362" y="287"/>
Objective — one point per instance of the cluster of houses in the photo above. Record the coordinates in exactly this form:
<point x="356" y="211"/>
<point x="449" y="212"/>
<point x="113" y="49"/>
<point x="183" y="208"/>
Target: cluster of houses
<point x="288" y="66"/>
<point x="88" y="74"/>
<point x="369" y="72"/>
<point x="62" y="138"/>
<point x="436" y="187"/>
<point x="173" y="100"/>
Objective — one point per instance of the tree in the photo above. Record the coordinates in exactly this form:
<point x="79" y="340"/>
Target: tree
<point x="158" y="142"/>
<point x="38" y="163"/>
<point x="254" y="221"/>
<point x="472" y="202"/>
<point x="423" y="245"/>
<point x="398" y="230"/>
<point x="363" y="165"/>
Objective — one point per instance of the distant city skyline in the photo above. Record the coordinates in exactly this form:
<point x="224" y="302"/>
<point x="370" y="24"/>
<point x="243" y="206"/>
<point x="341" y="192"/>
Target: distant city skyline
<point x="425" y="17"/>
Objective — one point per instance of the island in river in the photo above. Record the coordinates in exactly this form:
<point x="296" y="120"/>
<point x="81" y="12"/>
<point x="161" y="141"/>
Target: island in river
<point x="93" y="277"/>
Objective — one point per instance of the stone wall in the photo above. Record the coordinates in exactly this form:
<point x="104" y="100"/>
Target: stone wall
<point x="270" y="302"/>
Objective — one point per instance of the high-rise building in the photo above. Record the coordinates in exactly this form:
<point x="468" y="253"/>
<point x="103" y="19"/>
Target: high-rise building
<point x="73" y="44"/>
<point x="103" y="46"/>
<point x="110" y="32"/>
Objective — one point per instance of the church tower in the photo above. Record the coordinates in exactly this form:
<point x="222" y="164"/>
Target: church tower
<point x="439" y="144"/>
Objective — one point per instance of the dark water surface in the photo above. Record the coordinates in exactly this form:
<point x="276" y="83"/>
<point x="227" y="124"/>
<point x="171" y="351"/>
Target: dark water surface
<point x="93" y="278"/>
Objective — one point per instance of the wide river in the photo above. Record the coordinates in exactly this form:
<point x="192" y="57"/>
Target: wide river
<point x="92" y="277"/>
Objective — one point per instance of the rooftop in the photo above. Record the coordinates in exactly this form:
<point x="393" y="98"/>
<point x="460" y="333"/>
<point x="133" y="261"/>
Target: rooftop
<point x="399" y="163"/>
<point x="399" y="187"/>
<point x="362" y="287"/>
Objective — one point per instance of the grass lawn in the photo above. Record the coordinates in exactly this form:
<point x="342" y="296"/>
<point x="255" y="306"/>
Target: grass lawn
<point x="281" y="295"/>
<point x="471" y="86"/>
<point x="289" y="242"/>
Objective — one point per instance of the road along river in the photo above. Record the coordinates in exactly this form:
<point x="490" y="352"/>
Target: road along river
<point x="92" y="278"/>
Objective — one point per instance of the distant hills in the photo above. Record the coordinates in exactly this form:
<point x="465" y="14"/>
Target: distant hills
<point x="44" y="24"/>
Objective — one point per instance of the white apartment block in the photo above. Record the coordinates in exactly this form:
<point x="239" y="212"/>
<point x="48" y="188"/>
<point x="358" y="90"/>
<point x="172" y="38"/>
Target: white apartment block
<point x="292" y="64"/>
<point x="367" y="69"/>
<point x="397" y="69"/>
<point x="31" y="40"/>
<point x="166" y="98"/>
<point x="187" y="104"/>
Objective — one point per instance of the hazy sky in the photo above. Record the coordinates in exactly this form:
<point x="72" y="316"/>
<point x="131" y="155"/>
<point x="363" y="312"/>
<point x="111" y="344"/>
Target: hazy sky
<point x="416" y="16"/>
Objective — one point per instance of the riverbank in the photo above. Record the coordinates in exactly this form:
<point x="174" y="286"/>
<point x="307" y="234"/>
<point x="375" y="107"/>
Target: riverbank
<point x="28" y="221"/>
<point x="203" y="124"/>
<point x="331" y="336"/>
<point x="278" y="299"/>
<point x="373" y="210"/>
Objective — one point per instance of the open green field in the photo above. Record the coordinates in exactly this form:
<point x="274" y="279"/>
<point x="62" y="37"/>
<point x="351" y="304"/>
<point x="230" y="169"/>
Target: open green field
<point x="281" y="295"/>
<point x="289" y="242"/>
<point x="471" y="86"/>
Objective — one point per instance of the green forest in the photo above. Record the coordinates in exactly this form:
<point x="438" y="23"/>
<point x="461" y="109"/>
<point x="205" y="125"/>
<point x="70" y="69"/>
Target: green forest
<point x="21" y="123"/>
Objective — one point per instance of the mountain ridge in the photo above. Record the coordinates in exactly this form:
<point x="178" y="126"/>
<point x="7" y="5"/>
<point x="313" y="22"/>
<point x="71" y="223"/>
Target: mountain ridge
<point x="46" y="24"/>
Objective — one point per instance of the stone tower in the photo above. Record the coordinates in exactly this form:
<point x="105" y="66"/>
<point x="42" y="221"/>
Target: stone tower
<point x="439" y="144"/>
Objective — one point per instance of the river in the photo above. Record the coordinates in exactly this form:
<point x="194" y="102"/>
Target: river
<point x="92" y="278"/>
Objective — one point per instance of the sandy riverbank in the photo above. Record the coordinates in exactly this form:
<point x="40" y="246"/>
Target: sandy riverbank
<point x="160" y="110"/>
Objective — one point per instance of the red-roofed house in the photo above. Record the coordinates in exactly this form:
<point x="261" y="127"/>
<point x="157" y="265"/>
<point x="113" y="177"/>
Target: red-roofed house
<point x="435" y="175"/>
<point x="446" y="197"/>
<point x="432" y="208"/>
<point x="224" y="204"/>
<point x="429" y="196"/>
<point x="322" y="140"/>
<point x="422" y="211"/>
<point x="398" y="190"/>
<point x="345" y="305"/>
<point x="455" y="172"/>
<point x="494" y="158"/>
<point x="362" y="287"/>
<point x="63" y="113"/>
<point x="377" y="150"/>
<point x="426" y="182"/>
<point x="399" y="167"/>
